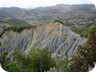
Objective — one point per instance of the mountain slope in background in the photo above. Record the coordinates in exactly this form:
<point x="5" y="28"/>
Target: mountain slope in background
<point x="83" y="14"/>
<point x="47" y="27"/>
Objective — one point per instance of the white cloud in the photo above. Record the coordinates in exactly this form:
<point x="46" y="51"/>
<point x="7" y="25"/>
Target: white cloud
<point x="93" y="1"/>
<point x="36" y="3"/>
<point x="2" y="2"/>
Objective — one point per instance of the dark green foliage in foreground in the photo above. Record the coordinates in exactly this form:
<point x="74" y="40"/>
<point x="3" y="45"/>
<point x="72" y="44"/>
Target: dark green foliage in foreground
<point x="42" y="60"/>
<point x="63" y="65"/>
<point x="38" y="60"/>
<point x="84" y="59"/>
<point x="86" y="55"/>
<point x="7" y="64"/>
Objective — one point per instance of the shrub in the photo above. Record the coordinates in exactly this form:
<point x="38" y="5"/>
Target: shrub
<point x="42" y="60"/>
<point x="62" y="65"/>
<point x="58" y="21"/>
<point x="38" y="60"/>
<point x="86" y="55"/>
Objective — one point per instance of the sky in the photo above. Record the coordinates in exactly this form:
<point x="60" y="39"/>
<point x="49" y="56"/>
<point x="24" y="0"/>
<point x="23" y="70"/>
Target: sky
<point x="38" y="3"/>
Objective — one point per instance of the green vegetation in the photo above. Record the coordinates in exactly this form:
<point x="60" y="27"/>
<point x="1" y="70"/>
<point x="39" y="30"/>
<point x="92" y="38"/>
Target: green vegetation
<point x="58" y="21"/>
<point x="4" y="15"/>
<point x="83" y="60"/>
<point x="92" y="31"/>
<point x="15" y="25"/>
<point x="16" y="29"/>
<point x="83" y="32"/>
<point x="86" y="55"/>
<point x="63" y="65"/>
<point x="16" y="22"/>
<point x="38" y="60"/>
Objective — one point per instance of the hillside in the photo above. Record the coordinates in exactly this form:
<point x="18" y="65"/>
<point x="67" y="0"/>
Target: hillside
<point x="80" y="15"/>
<point x="60" y="38"/>
<point x="54" y="36"/>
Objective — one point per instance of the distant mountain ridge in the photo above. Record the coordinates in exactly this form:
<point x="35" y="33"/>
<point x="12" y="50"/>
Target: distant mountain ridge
<point x="70" y="14"/>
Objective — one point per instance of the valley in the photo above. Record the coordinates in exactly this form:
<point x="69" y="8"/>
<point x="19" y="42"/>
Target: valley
<point x="60" y="38"/>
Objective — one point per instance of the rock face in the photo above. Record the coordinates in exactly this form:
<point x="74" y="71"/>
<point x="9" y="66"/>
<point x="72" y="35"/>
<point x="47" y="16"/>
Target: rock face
<point x="54" y="36"/>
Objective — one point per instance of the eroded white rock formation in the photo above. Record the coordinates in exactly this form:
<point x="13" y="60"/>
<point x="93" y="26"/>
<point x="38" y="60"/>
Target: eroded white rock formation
<point x="54" y="36"/>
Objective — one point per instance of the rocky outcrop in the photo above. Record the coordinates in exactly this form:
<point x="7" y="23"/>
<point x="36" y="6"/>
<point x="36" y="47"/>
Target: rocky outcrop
<point x="54" y="36"/>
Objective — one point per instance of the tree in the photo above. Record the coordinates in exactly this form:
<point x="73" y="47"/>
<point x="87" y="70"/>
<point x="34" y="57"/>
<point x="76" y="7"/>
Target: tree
<point x="7" y="64"/>
<point x="38" y="60"/>
<point x="86" y="55"/>
<point x="62" y="65"/>
<point x="41" y="59"/>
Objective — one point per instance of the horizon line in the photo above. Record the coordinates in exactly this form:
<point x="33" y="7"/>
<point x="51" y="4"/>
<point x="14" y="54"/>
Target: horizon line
<point x="45" y="6"/>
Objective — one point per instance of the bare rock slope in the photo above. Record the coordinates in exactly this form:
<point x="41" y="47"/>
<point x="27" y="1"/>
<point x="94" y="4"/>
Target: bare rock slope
<point x="54" y="36"/>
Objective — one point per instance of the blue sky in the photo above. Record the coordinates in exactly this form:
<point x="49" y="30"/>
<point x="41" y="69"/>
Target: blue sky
<point x="38" y="3"/>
